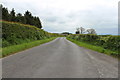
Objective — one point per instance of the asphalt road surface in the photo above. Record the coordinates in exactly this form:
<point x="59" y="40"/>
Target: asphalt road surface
<point x="59" y="58"/>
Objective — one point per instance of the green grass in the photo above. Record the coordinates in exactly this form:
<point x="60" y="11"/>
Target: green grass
<point x="16" y="48"/>
<point x="95" y="48"/>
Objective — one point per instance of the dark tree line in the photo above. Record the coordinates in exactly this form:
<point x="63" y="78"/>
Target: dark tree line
<point x="27" y="18"/>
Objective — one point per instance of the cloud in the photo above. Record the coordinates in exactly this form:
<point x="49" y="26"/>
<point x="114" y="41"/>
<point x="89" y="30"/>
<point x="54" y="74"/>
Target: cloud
<point x="66" y="15"/>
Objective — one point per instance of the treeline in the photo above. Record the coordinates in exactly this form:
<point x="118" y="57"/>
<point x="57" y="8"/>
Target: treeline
<point x="16" y="33"/>
<point x="27" y="18"/>
<point x="106" y="41"/>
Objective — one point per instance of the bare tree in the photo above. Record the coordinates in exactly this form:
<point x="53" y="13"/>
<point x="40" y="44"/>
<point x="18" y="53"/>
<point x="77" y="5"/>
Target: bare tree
<point x="91" y="31"/>
<point x="82" y="30"/>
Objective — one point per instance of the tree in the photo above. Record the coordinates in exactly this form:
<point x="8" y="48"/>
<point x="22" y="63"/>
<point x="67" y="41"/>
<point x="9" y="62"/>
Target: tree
<point x="5" y="14"/>
<point x="91" y="31"/>
<point x="26" y="19"/>
<point x="38" y="23"/>
<point x="23" y="20"/>
<point x="66" y="33"/>
<point x="12" y="15"/>
<point x="77" y="32"/>
<point x="20" y="18"/>
<point x="27" y="16"/>
<point x="80" y="30"/>
<point x="32" y="20"/>
<point x="1" y="11"/>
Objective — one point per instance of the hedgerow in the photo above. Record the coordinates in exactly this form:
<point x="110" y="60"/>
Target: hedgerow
<point x="109" y="42"/>
<point x="15" y="33"/>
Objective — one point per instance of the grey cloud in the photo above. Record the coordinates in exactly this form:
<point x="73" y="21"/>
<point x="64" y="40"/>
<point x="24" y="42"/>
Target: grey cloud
<point x="51" y="19"/>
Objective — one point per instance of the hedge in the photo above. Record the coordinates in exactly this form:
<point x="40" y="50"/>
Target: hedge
<point x="15" y="33"/>
<point x="106" y="41"/>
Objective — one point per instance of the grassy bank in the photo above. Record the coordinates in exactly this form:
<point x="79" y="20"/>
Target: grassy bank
<point x="110" y="42"/>
<point x="95" y="48"/>
<point x="16" y="33"/>
<point x="16" y="48"/>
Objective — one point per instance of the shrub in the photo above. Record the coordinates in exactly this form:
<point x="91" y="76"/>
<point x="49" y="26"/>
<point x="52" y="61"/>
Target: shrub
<point x="106" y="41"/>
<point x="15" y="33"/>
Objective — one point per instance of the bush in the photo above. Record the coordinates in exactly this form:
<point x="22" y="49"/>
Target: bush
<point x="106" y="41"/>
<point x="15" y="33"/>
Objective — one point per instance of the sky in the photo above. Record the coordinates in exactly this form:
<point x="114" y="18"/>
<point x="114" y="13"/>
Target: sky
<point x="59" y="16"/>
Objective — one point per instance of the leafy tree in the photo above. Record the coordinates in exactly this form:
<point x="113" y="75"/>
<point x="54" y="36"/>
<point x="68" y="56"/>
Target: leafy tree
<point x="77" y="32"/>
<point x="23" y="20"/>
<point x="12" y="15"/>
<point x="20" y="18"/>
<point x="5" y="14"/>
<point x="0" y="12"/>
<point x="32" y="20"/>
<point x="38" y="23"/>
<point x="26" y="19"/>
<point x="66" y="33"/>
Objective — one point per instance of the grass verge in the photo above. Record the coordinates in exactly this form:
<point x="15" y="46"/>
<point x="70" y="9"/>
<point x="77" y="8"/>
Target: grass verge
<point x="16" y="48"/>
<point x="95" y="48"/>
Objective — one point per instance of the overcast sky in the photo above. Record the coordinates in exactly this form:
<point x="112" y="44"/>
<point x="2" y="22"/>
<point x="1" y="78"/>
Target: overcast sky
<point x="67" y="15"/>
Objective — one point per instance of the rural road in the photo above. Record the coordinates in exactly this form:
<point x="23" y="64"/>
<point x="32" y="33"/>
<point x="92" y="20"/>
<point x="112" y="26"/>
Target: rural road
<point x="59" y="58"/>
